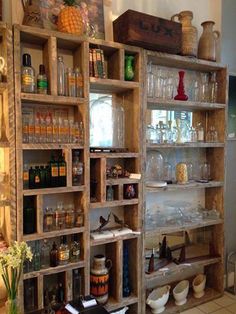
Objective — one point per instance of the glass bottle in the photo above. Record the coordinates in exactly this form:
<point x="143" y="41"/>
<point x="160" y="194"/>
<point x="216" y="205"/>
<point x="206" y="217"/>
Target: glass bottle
<point x="29" y="295"/>
<point x="60" y="294"/>
<point x="76" y="284"/>
<point x="43" y="130"/>
<point x="78" y="82"/>
<point x="27" y="75"/>
<point x="79" y="218"/>
<point x="47" y="176"/>
<point x="70" y="83"/>
<point x="77" y="169"/>
<point x="204" y="87"/>
<point x="77" y="135"/>
<point x="54" y="255"/>
<point x="62" y="170"/>
<point x="200" y="132"/>
<point x="36" y="257"/>
<point x="25" y="177"/>
<point x="167" y="172"/>
<point x="81" y="133"/>
<point x="193" y="135"/>
<point x="31" y="177"/>
<point x="42" y="81"/>
<point x="169" y="133"/>
<point x="59" y="217"/>
<point x="150" y="81"/>
<point x="25" y="129"/>
<point x="37" y="134"/>
<point x="213" y="88"/>
<point x="55" y="131"/>
<point x="31" y="130"/>
<point x="48" y="220"/>
<point x="37" y="178"/>
<point x="70" y="216"/>
<point x="54" y="172"/>
<point x="71" y="131"/>
<point x="49" y="130"/>
<point x="60" y="130"/>
<point x="60" y="76"/>
<point x="45" y="255"/>
<point x="66" y="131"/>
<point x="43" y="177"/>
<point x="110" y="194"/>
<point x="75" y="249"/>
<point x="63" y="252"/>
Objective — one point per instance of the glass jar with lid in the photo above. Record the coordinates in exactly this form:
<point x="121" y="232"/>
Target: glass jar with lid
<point x="69" y="216"/>
<point x="48" y="220"/>
<point x="79" y="218"/>
<point x="59" y="216"/>
<point x="182" y="173"/>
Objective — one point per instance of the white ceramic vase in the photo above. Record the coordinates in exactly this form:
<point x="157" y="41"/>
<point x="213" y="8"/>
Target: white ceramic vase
<point x="199" y="284"/>
<point x="158" y="298"/>
<point x="122" y="311"/>
<point x="180" y="292"/>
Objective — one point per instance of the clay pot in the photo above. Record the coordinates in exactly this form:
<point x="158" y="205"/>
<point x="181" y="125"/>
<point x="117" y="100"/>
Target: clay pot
<point x="189" y="33"/>
<point x="199" y="284"/>
<point x="158" y="298"/>
<point x="99" y="278"/>
<point x="207" y="47"/>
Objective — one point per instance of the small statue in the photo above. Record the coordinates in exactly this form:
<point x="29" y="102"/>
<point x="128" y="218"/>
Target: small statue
<point x="129" y="191"/>
<point x="103" y="222"/>
<point x="120" y="222"/>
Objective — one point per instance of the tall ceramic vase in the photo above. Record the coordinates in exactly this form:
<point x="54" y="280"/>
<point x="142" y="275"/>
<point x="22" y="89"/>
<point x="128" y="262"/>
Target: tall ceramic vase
<point x="99" y="278"/>
<point x="207" y="47"/>
<point x="189" y="33"/>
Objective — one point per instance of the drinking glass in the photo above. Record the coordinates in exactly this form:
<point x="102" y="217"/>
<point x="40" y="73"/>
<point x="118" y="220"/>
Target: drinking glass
<point x="212" y="135"/>
<point x="204" y="87"/>
<point x="205" y="172"/>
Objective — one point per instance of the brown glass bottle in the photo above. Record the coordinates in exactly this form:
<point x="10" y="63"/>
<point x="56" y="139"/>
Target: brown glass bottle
<point x="54" y="172"/>
<point x="54" y="256"/>
<point x="62" y="170"/>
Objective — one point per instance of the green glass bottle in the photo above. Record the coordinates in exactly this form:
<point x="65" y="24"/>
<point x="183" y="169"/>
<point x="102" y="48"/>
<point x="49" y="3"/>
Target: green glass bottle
<point x="54" y="173"/>
<point x="129" y="68"/>
<point x="62" y="170"/>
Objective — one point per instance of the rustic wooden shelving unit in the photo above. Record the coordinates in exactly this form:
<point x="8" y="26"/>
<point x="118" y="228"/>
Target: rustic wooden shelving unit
<point x="209" y="114"/>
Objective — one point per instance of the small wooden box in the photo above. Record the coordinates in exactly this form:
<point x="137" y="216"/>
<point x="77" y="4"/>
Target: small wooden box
<point x="147" y="31"/>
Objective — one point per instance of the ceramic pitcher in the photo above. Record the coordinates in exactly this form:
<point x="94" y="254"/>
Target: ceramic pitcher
<point x="189" y="33"/>
<point x="99" y="278"/>
<point x="207" y="47"/>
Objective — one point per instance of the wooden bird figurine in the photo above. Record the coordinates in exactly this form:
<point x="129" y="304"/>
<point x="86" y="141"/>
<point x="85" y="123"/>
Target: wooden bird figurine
<point x="120" y="222"/>
<point x="103" y="222"/>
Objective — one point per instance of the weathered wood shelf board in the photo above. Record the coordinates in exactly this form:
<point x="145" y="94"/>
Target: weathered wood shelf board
<point x="50" y="146"/>
<point x="184" y="145"/>
<point x="114" y="203"/>
<point x="51" y="99"/>
<point x="54" y="270"/>
<point x="179" y="187"/>
<point x="115" y="239"/>
<point x="111" y="86"/>
<point x="113" y="305"/>
<point x="54" y="190"/>
<point x="52" y="234"/>
<point x="121" y="181"/>
<point x="184" y="227"/>
<point x="114" y="155"/>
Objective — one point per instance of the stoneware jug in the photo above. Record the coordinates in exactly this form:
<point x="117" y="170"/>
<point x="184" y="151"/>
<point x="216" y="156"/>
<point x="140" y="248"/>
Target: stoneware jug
<point x="99" y="278"/>
<point x="189" y="33"/>
<point x="207" y="47"/>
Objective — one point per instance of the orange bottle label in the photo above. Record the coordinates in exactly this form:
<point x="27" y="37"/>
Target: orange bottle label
<point x="62" y="171"/>
<point x="54" y="171"/>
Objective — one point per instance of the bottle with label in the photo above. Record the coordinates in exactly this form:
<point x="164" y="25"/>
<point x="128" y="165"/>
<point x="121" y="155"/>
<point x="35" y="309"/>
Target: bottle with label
<point x="60" y="131"/>
<point x="27" y="75"/>
<point x="75" y="249"/>
<point x="55" y="131"/>
<point x="76" y="284"/>
<point x="49" y="130"/>
<point x="31" y="130"/>
<point x="25" y="177"/>
<point x="48" y="220"/>
<point x="37" y="136"/>
<point x="45" y="254"/>
<point x="71" y="131"/>
<point x="54" y="255"/>
<point x="36" y="257"/>
<point x="60" y="76"/>
<point x="54" y="172"/>
<point x="70" y="216"/>
<point x="78" y="82"/>
<point x="200" y="132"/>
<point x="77" y="169"/>
<point x="79" y="218"/>
<point x="42" y="81"/>
<point x="70" y="83"/>
<point x="43" y="130"/>
<point x="62" y="170"/>
<point x="37" y="178"/>
<point x="66" y="131"/>
<point x="63" y="252"/>
<point x="59" y="217"/>
<point x="25" y="129"/>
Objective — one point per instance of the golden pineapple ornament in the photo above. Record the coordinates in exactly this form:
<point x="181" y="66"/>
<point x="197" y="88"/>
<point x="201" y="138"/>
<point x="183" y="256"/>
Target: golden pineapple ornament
<point x="70" y="19"/>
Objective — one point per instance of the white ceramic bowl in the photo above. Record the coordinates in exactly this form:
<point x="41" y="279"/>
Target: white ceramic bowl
<point x="180" y="292"/>
<point x="158" y="298"/>
<point x="199" y="284"/>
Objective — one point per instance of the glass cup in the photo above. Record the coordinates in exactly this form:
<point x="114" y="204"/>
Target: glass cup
<point x="205" y="172"/>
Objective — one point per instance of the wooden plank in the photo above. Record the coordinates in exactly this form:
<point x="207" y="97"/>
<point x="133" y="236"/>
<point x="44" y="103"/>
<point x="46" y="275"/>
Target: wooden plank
<point x="114" y="203"/>
<point x="185" y="145"/>
<point x="51" y="99"/>
<point x="113" y="305"/>
<point x="115" y="155"/>
<point x="54" y="190"/>
<point x="111" y="85"/>
<point x="39" y="213"/>
<point x="51" y="146"/>
<point x="115" y="239"/>
<point x="112" y="181"/>
<point x="50" y="62"/>
<point x="189" y="186"/>
<point x="52" y="234"/>
<point x="102" y="178"/>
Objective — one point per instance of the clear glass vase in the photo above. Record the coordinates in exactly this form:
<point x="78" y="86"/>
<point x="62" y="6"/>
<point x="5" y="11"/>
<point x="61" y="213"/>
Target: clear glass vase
<point x="12" y="306"/>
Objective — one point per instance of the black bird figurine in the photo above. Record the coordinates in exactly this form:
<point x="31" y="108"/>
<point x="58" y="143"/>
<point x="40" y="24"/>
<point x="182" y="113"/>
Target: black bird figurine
<point x="120" y="222"/>
<point x="103" y="222"/>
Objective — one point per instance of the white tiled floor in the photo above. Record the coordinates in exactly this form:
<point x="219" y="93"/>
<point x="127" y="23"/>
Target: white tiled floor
<point x="223" y="305"/>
